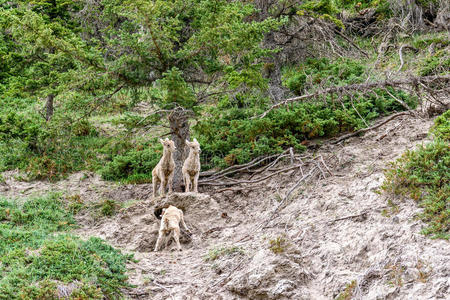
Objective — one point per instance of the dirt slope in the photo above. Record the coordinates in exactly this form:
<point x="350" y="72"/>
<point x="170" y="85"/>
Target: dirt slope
<point x="335" y="232"/>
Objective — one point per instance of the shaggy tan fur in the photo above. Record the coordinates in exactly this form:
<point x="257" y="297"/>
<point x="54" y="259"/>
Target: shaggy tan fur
<point x="170" y="221"/>
<point x="164" y="170"/>
<point x="191" y="166"/>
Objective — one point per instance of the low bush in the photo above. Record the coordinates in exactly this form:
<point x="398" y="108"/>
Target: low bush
<point x="135" y="165"/>
<point x="37" y="256"/>
<point x="229" y="136"/>
<point x="47" y="150"/>
<point x="436" y="64"/>
<point x="424" y="175"/>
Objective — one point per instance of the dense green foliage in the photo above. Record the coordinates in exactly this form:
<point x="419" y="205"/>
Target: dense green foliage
<point x="135" y="165"/>
<point x="436" y="64"/>
<point x="36" y="255"/>
<point x="47" y="150"/>
<point x="229" y="135"/>
<point x="424" y="175"/>
<point x="104" y="61"/>
<point x="73" y="51"/>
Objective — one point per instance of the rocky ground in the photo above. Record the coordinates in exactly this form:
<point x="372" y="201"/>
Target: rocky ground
<point x="336" y="234"/>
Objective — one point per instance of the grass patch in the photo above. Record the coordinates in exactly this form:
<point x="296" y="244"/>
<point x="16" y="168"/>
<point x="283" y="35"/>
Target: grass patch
<point x="216" y="253"/>
<point x="424" y="175"/>
<point x="348" y="291"/>
<point x="278" y="245"/>
<point x="37" y="254"/>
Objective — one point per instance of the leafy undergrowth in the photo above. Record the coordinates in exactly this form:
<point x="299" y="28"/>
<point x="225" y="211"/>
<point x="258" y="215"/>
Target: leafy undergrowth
<point x="39" y="260"/>
<point x="230" y="136"/>
<point x="424" y="175"/>
<point x="46" y="150"/>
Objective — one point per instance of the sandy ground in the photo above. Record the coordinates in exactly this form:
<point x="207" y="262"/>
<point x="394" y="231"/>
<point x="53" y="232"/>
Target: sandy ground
<point x="334" y="233"/>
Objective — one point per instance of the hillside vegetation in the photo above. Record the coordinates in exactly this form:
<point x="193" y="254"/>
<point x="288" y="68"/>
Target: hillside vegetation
<point x="89" y="87"/>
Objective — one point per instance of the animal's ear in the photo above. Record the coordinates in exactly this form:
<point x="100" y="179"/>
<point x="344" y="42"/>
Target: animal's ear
<point x="195" y="140"/>
<point x="187" y="142"/>
<point x="163" y="211"/>
<point x="167" y="139"/>
<point x="161" y="141"/>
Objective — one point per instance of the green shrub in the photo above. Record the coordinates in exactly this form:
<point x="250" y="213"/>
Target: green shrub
<point x="435" y="64"/>
<point x="107" y="207"/>
<point x="36" y="255"/>
<point x="316" y="71"/>
<point x="440" y="40"/>
<point x="424" y="175"/>
<point x="47" y="150"/>
<point x="441" y="127"/>
<point x="348" y="291"/>
<point x="229" y="136"/>
<point x="324" y="9"/>
<point x="134" y="166"/>
<point x="278" y="245"/>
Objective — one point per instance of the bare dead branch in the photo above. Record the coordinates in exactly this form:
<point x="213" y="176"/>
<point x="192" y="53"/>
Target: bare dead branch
<point x="234" y="181"/>
<point x="400" y="54"/>
<point x="362" y="87"/>
<point x="100" y="101"/>
<point x="362" y="214"/>
<point x="344" y="137"/>
<point x="398" y="100"/>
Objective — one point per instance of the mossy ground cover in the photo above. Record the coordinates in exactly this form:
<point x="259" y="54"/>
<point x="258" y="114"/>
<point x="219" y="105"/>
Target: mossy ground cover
<point x="424" y="175"/>
<point x="38" y="255"/>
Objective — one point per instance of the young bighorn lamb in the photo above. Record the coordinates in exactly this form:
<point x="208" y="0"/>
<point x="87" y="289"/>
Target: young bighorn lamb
<point x="164" y="170"/>
<point x="191" y="166"/>
<point x="170" y="221"/>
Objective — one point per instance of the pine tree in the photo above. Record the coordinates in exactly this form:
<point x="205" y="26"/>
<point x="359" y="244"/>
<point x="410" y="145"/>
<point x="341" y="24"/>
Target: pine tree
<point x="187" y="50"/>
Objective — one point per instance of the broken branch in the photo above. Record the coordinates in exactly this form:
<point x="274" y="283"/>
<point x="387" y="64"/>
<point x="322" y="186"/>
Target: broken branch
<point x="361" y="87"/>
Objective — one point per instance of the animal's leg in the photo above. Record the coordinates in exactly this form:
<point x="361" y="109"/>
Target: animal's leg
<point x="170" y="182"/>
<point x="182" y="221"/>
<point x="195" y="183"/>
<point x="176" y="236"/>
<point x="154" y="182"/>
<point x="158" y="241"/>
<point x="162" y="189"/>
<point x="187" y="179"/>
<point x="168" y="238"/>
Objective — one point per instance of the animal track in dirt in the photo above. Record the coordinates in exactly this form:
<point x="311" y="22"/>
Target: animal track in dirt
<point x="329" y="233"/>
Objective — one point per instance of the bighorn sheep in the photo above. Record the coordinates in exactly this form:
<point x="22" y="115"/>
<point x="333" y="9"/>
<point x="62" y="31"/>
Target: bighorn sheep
<point x="170" y="221"/>
<point x="191" y="166"/>
<point x="164" y="170"/>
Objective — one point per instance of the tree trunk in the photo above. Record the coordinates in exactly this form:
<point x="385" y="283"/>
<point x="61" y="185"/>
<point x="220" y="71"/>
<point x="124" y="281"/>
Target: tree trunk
<point x="179" y="126"/>
<point x="49" y="107"/>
